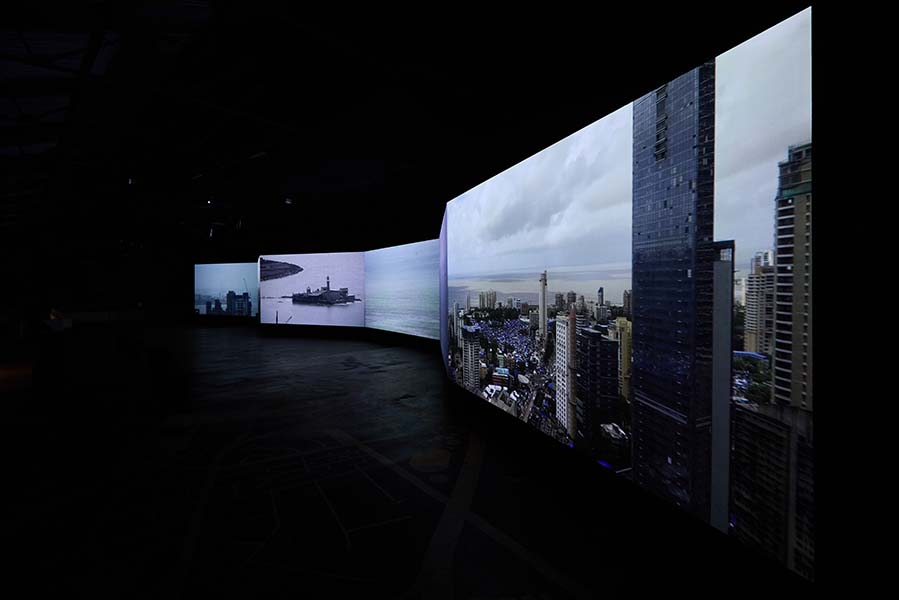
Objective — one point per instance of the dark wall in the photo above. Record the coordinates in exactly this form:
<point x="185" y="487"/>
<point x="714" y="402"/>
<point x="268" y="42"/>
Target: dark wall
<point x="217" y="134"/>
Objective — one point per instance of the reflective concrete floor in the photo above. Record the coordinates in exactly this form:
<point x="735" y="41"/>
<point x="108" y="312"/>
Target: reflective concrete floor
<point x="182" y="463"/>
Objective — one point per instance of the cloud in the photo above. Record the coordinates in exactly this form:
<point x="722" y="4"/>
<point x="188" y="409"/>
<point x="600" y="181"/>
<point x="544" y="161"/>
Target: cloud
<point x="566" y="205"/>
<point x="571" y="204"/>
<point x="762" y="106"/>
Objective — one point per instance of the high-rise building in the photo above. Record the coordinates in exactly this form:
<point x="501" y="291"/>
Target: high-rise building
<point x="560" y="302"/>
<point x="581" y="320"/>
<point x="793" y="263"/>
<point x="596" y="384"/>
<point x="471" y="362"/>
<point x="600" y="296"/>
<point x="570" y="299"/>
<point x="482" y="299"/>
<point x="772" y="483"/>
<point x="740" y="290"/>
<point x="457" y="324"/>
<point x="773" y="494"/>
<point x="491" y="299"/>
<point x="565" y="372"/>
<point x="602" y="312"/>
<point x="682" y="321"/>
<point x="238" y="305"/>
<point x="759" y="302"/>
<point x="627" y="303"/>
<point x="542" y="303"/>
<point x="625" y="341"/>
<point x="581" y="304"/>
<point x="468" y="302"/>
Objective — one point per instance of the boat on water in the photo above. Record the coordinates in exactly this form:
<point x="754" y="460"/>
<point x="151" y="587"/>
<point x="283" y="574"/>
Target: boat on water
<point x="324" y="295"/>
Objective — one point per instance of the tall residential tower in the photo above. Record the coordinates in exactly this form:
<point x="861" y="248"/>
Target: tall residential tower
<point x="542" y="300"/>
<point x="773" y="490"/>
<point x="759" y="329"/>
<point x="566" y="376"/>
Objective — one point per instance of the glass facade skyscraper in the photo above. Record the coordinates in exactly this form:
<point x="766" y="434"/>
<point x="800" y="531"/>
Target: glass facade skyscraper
<point x="673" y="254"/>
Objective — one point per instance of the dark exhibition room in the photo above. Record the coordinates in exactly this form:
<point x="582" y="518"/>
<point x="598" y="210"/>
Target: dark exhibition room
<point x="484" y="305"/>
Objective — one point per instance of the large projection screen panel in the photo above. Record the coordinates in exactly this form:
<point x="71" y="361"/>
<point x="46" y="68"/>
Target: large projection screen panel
<point x="444" y="300"/>
<point x="402" y="290"/>
<point x="226" y="289"/>
<point x="641" y="291"/>
<point x="313" y="289"/>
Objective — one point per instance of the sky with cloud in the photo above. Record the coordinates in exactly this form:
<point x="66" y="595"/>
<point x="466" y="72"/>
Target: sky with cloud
<point x="568" y="207"/>
<point x="763" y="104"/>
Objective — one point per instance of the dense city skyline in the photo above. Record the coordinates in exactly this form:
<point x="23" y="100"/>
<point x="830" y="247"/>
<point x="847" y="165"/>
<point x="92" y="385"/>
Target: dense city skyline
<point x="658" y="388"/>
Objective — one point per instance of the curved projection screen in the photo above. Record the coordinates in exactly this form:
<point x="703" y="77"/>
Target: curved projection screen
<point x="402" y="289"/>
<point x="641" y="291"/>
<point x="444" y="300"/>
<point x="312" y="289"/>
<point x="226" y="289"/>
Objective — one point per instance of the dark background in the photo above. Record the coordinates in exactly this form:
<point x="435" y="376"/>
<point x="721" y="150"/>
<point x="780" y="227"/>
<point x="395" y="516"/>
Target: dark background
<point x="138" y="139"/>
<point x="217" y="113"/>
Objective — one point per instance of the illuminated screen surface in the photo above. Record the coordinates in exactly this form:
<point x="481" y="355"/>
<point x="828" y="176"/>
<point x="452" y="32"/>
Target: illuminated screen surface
<point x="226" y="289"/>
<point x="444" y="300"/>
<point x="312" y="289"/>
<point x="641" y="291"/>
<point x="402" y="289"/>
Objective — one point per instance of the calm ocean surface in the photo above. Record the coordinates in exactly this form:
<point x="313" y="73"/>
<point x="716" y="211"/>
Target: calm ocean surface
<point x="405" y="307"/>
<point x="352" y="315"/>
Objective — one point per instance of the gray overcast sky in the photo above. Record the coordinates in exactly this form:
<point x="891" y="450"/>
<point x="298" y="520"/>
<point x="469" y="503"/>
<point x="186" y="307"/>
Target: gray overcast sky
<point x="570" y="204"/>
<point x="220" y="278"/>
<point x="763" y="104"/>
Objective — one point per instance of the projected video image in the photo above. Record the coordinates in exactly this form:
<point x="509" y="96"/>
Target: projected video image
<point x="312" y="289"/>
<point x="444" y="300"/>
<point x="641" y="291"/>
<point x="226" y="289"/>
<point x="402" y="289"/>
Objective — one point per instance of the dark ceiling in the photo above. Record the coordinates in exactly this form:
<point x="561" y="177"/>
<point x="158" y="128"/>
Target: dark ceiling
<point x="136" y="140"/>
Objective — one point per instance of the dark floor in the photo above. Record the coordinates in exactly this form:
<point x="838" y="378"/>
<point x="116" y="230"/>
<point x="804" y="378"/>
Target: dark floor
<point x="143" y="462"/>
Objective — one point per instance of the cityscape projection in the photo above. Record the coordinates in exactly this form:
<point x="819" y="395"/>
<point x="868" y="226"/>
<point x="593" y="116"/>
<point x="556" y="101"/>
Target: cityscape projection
<point x="402" y="289"/>
<point x="226" y="289"/>
<point x="312" y="289"/>
<point x="642" y="291"/>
